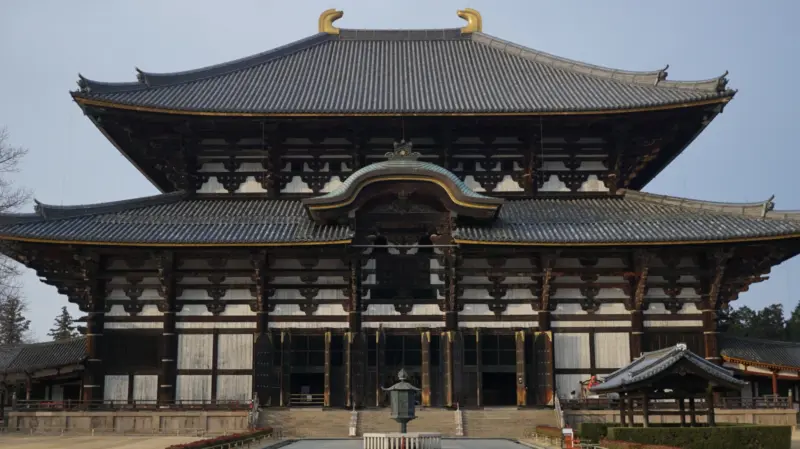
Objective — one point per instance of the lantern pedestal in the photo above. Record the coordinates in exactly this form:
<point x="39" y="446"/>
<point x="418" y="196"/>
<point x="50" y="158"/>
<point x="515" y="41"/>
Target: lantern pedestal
<point x="402" y="441"/>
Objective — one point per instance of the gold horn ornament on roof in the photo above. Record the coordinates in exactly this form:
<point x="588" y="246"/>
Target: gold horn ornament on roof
<point x="473" y="18"/>
<point x="326" y="20"/>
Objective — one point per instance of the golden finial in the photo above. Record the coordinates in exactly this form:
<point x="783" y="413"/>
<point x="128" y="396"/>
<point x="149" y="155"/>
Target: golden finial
<point x="326" y="20"/>
<point x="473" y="18"/>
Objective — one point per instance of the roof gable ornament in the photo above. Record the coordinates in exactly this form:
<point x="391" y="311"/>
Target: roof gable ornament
<point x="326" y="20"/>
<point x="403" y="151"/>
<point x="473" y="18"/>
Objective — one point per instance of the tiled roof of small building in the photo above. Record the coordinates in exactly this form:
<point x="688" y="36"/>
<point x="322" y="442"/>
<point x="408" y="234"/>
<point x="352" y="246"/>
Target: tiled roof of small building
<point x="760" y="352"/>
<point x="650" y="364"/>
<point x="37" y="356"/>
<point x="442" y="71"/>
<point x="629" y="217"/>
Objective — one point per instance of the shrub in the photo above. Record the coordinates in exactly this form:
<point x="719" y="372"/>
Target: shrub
<point x="233" y="438"/>
<point x="549" y="431"/>
<point x="611" y="444"/>
<point x="744" y="437"/>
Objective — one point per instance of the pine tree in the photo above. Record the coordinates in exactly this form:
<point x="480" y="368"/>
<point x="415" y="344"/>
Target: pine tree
<point x="14" y="327"/>
<point x="793" y="325"/>
<point x="64" y="327"/>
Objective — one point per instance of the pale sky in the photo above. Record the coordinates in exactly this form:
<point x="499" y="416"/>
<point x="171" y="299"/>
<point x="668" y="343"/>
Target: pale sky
<point x="747" y="154"/>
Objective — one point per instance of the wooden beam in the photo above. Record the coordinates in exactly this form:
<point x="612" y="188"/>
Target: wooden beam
<point x="426" y="368"/>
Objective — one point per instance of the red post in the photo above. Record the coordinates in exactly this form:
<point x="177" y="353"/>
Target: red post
<point x="775" y="383"/>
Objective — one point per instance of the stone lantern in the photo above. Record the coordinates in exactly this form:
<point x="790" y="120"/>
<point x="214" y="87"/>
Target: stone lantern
<point x="402" y="397"/>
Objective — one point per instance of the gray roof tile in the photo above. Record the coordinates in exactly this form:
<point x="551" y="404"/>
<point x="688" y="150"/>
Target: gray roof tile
<point x="631" y="217"/>
<point x="768" y="352"/>
<point x="652" y="363"/>
<point x="403" y="71"/>
<point x="36" y="356"/>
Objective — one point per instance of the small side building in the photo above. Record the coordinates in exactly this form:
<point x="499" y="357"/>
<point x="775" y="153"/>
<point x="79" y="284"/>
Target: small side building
<point x="48" y="371"/>
<point x="771" y="368"/>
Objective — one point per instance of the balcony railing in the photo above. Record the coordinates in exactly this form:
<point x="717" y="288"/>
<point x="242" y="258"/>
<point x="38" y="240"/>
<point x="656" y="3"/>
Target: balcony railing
<point x="765" y="402"/>
<point x="77" y="405"/>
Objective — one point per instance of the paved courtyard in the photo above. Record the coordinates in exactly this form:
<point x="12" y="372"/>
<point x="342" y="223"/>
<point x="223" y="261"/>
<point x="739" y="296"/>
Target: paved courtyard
<point x="89" y="442"/>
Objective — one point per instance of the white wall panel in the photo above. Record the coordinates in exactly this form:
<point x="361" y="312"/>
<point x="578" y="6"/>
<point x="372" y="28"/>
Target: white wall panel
<point x="476" y="309"/>
<point x="667" y="323"/>
<point x="159" y="325"/>
<point x="235" y="351"/>
<point x="571" y="350"/>
<point x="612" y="350"/>
<point x="568" y="324"/>
<point x="193" y="388"/>
<point x="195" y="351"/>
<point x="567" y="383"/>
<point x="217" y="325"/>
<point x="116" y="388"/>
<point x="308" y="325"/>
<point x="496" y="324"/>
<point x="234" y="387"/>
<point x="145" y="387"/>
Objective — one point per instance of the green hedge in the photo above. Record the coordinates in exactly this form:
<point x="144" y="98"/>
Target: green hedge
<point x="595" y="431"/>
<point x="224" y="439"/>
<point x="609" y="444"/>
<point x="725" y="437"/>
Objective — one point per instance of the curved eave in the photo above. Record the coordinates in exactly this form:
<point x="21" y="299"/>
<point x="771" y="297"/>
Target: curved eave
<point x="85" y="100"/>
<point x="770" y="366"/>
<point x="146" y="244"/>
<point x="638" y="243"/>
<point x="760" y="209"/>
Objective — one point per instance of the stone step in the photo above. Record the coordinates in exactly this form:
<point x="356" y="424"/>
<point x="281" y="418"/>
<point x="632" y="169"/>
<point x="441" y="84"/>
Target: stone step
<point x="428" y="420"/>
<point x="506" y="423"/>
<point x="308" y="423"/>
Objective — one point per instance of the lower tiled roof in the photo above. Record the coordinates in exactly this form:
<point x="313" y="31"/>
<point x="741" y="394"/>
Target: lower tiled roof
<point x="31" y="357"/>
<point x="632" y="217"/>
<point x="766" y="352"/>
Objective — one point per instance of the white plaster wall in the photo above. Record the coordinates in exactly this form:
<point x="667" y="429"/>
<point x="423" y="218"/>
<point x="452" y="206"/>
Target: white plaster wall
<point x="193" y="387"/>
<point x="612" y="350"/>
<point x="116" y="388"/>
<point x="145" y="387"/>
<point x="195" y="351"/>
<point x="571" y="350"/>
<point x="566" y="383"/>
<point x="235" y="351"/>
<point x="234" y="387"/>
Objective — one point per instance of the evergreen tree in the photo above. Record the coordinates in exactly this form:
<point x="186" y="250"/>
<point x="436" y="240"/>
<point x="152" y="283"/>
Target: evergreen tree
<point x="63" y="327"/>
<point x="793" y="325"/>
<point x="14" y="327"/>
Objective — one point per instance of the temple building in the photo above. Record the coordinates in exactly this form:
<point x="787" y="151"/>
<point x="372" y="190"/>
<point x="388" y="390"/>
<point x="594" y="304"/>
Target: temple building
<point x="360" y="201"/>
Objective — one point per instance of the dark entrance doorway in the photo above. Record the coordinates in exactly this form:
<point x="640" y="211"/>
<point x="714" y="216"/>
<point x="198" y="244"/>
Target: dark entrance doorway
<point x="307" y="379"/>
<point x="498" y="367"/>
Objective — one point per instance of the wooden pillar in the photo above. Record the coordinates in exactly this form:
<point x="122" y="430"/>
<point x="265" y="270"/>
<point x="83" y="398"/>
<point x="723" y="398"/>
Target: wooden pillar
<point x="631" y="410"/>
<point x="775" y="383"/>
<point x="479" y="366"/>
<point x="355" y="368"/>
<point x="263" y="355"/>
<point x="622" y="417"/>
<point x="426" y="368"/>
<point x="451" y="292"/>
<point x="682" y="408"/>
<point x="544" y="320"/>
<point x="710" y="407"/>
<point x="354" y="306"/>
<point x="28" y="387"/>
<point x="447" y="355"/>
<point x="646" y="410"/>
<point x="522" y="386"/>
<point x="94" y="305"/>
<point x="286" y="368"/>
<point x="214" y="364"/>
<point x="692" y="412"/>
<point x="710" y="336"/>
<point x="168" y="367"/>
<point x="637" y="333"/>
<point x="380" y="358"/>
<point x="327" y="396"/>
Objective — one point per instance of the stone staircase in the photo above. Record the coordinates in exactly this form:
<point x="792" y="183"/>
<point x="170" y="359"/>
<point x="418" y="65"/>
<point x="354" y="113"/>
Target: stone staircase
<point x="505" y="422"/>
<point x="307" y="422"/>
<point x="428" y="420"/>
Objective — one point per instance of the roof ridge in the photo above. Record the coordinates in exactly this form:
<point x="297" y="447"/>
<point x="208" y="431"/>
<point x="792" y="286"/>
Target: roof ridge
<point x="656" y="78"/>
<point x="147" y="80"/>
<point x="762" y="209"/>
<point x="50" y="212"/>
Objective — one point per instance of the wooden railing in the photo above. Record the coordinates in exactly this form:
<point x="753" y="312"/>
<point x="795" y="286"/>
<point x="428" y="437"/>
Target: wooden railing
<point x="306" y="400"/>
<point x="774" y="402"/>
<point x="76" y="405"/>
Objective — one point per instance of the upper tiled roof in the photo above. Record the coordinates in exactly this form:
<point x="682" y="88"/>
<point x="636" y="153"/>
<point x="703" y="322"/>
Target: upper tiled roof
<point x="764" y="352"/>
<point x="630" y="217"/>
<point x="402" y="72"/>
<point x="651" y="364"/>
<point x="31" y="357"/>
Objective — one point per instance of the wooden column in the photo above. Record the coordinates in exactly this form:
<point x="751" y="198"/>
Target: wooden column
<point x="636" y="290"/>
<point x="426" y="368"/>
<point x="263" y="346"/>
<point x="646" y="410"/>
<point x="354" y="303"/>
<point x="214" y="364"/>
<point x="168" y="368"/>
<point x="692" y="412"/>
<point x="451" y="292"/>
<point x="479" y="366"/>
<point x="447" y="362"/>
<point x="94" y="306"/>
<point x="380" y="357"/>
<point x="637" y="333"/>
<point x="355" y="339"/>
<point x="522" y="386"/>
<point x="710" y="407"/>
<point x="327" y="396"/>
<point x="622" y="419"/>
<point x="286" y="368"/>
<point x="710" y="336"/>
<point x="775" y="383"/>
<point x="718" y="263"/>
<point x="682" y="408"/>
<point x="632" y="410"/>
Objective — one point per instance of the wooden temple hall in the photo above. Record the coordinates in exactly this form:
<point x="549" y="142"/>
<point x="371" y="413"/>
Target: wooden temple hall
<point x="360" y="201"/>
